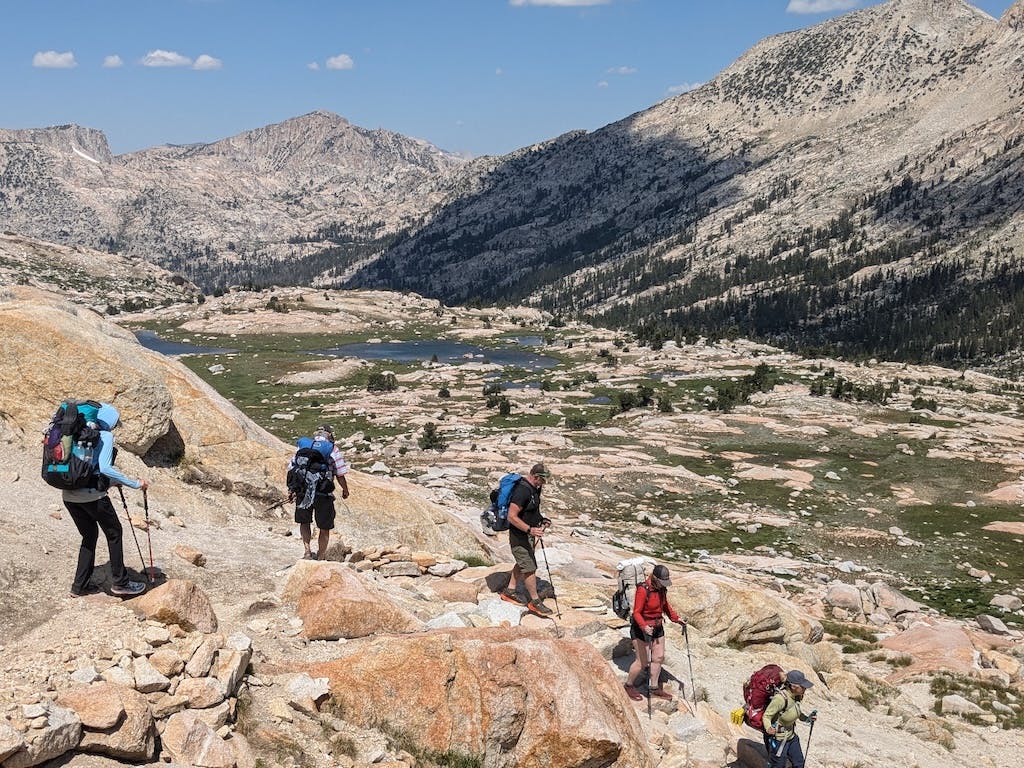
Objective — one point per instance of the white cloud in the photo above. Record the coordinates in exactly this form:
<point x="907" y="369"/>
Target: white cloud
<point x="684" y="88"/>
<point x="205" y="61"/>
<point x="313" y="65"/>
<point x="602" y="84"/>
<point x="341" y="61"/>
<point x="559" y="3"/>
<point x="820" y="6"/>
<point x="159" y="58"/>
<point x="622" y="70"/>
<point x="499" y="71"/>
<point x="54" y="60"/>
<point x="112" y="62"/>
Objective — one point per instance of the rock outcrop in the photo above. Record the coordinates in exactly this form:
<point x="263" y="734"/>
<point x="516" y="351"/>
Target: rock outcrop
<point x="521" y="699"/>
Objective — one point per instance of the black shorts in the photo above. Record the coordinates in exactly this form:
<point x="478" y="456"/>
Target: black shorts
<point x="636" y="632"/>
<point x="322" y="510"/>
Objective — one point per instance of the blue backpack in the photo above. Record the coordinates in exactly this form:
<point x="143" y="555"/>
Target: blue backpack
<point x="495" y="518"/>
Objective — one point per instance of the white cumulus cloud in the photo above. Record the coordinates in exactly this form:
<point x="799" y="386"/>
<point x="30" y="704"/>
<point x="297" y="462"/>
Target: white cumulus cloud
<point x="820" y="6"/>
<point x="160" y="58"/>
<point x="602" y="84"/>
<point x="559" y="3"/>
<point x="112" y="62"/>
<point x="313" y="65"/>
<point x="684" y="88"/>
<point x="622" y="70"/>
<point x="205" y="61"/>
<point x="54" y="60"/>
<point x="341" y="61"/>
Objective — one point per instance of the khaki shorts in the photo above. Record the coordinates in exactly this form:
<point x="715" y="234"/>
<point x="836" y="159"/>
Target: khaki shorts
<point x="525" y="558"/>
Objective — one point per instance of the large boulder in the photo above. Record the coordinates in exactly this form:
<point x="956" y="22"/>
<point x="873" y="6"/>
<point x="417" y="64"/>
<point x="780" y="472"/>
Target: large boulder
<point x="334" y="602"/>
<point x="180" y="602"/>
<point x="165" y="408"/>
<point x="933" y="645"/>
<point x="513" y="697"/>
<point x="727" y="611"/>
<point x="133" y="737"/>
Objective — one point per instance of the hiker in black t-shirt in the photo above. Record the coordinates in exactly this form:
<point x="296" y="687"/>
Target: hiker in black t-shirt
<point x="526" y="527"/>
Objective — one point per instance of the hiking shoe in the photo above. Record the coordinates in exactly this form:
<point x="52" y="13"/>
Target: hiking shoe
<point x="633" y="693"/>
<point x="661" y="693"/>
<point x="512" y="597"/>
<point x="131" y="588"/>
<point x="538" y="607"/>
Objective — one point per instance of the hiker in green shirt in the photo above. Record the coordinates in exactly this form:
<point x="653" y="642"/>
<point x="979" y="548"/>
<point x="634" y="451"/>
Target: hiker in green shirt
<point x="780" y="718"/>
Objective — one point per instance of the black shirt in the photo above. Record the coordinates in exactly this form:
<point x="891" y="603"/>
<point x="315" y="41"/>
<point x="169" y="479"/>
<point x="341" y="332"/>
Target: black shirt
<point x="527" y="498"/>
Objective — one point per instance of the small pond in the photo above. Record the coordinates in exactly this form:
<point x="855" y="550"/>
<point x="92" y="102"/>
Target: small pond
<point x="150" y="340"/>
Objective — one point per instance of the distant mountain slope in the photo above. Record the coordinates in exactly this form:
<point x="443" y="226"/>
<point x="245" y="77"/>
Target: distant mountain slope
<point x="103" y="281"/>
<point x="219" y="212"/>
<point x="856" y="185"/>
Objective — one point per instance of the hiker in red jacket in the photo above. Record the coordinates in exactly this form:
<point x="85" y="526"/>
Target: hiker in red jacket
<point x="648" y="632"/>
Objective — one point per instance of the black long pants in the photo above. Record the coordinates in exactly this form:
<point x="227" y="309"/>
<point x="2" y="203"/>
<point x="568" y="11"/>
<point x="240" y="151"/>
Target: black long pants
<point x="89" y="517"/>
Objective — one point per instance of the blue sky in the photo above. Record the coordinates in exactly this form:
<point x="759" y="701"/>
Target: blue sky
<point x="472" y="76"/>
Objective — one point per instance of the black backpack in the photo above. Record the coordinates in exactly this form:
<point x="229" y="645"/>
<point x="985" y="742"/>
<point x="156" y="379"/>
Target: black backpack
<point x="311" y="475"/>
<point x="70" y="445"/>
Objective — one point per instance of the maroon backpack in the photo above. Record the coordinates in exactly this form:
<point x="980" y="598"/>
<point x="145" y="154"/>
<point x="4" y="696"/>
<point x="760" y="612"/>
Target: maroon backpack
<point x="758" y="691"/>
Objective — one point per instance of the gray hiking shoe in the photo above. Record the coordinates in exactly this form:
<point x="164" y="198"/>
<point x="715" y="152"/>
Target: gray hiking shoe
<point x="130" y="589"/>
<point x="538" y="607"/>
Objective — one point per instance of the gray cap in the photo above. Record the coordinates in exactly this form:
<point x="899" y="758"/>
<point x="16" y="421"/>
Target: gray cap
<point x="796" y="677"/>
<point x="662" y="575"/>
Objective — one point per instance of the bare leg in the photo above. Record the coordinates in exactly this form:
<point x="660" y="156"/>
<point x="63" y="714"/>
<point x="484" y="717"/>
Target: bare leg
<point x="307" y="534"/>
<point x="517" y="577"/>
<point x="657" y="659"/>
<point x="531" y="585"/>
<point x="639" y="662"/>
<point x="323" y="540"/>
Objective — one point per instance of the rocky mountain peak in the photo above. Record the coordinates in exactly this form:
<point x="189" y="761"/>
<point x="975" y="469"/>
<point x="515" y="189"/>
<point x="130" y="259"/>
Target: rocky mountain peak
<point x="1014" y="16"/>
<point x="87" y="143"/>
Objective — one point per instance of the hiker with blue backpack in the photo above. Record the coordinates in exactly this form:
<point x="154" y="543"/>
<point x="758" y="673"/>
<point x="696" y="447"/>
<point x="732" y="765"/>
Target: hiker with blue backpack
<point x="78" y="458"/>
<point x="312" y="473"/>
<point x="526" y="527"/>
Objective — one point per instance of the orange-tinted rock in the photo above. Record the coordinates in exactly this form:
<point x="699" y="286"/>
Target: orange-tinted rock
<point x="518" y="698"/>
<point x="178" y="602"/>
<point x="334" y="602"/>
<point x="933" y="645"/>
<point x="133" y="738"/>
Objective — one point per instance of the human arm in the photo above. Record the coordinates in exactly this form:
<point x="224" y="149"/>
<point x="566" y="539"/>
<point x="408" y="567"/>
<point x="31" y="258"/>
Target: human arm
<point x="771" y="713"/>
<point x="671" y="612"/>
<point x="340" y="470"/>
<point x="517" y="522"/>
<point x="106" y="466"/>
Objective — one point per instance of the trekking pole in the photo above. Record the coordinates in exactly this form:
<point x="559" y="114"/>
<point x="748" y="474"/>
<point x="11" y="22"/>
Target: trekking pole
<point x="650" y="655"/>
<point x="550" y="578"/>
<point x="272" y="507"/>
<point x="693" y="685"/>
<point x="124" y="503"/>
<point x="149" y="538"/>
<point x="814" y="719"/>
